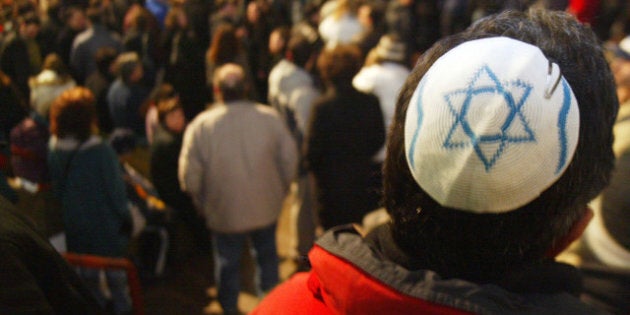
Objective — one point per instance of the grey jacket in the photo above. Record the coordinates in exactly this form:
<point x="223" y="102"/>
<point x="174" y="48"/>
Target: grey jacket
<point x="237" y="162"/>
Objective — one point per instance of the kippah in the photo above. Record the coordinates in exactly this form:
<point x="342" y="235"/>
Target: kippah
<point x="490" y="126"/>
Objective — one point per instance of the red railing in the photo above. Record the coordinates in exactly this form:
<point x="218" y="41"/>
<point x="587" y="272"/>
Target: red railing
<point x="100" y="262"/>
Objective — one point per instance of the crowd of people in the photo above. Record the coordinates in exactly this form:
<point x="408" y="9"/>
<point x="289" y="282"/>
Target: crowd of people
<point x="432" y="110"/>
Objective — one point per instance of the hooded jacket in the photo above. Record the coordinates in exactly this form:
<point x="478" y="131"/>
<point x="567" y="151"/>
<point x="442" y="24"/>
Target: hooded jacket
<point x="353" y="275"/>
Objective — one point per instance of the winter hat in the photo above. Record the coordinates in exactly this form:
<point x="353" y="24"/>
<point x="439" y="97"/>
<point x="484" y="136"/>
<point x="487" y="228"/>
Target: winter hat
<point x="391" y="48"/>
<point x="491" y="125"/>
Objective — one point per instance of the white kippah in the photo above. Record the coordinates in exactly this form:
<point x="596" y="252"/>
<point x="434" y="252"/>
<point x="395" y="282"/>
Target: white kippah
<point x="490" y="126"/>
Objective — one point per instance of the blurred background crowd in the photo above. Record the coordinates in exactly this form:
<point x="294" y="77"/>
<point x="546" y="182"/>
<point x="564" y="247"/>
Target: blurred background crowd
<point x="328" y="68"/>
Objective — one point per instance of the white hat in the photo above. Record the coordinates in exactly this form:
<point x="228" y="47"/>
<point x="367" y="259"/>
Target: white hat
<point x="490" y="126"/>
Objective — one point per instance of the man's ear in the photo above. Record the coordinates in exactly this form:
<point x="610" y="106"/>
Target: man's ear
<point x="576" y="231"/>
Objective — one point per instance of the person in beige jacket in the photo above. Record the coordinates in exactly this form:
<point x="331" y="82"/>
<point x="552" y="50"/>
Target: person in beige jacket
<point x="237" y="162"/>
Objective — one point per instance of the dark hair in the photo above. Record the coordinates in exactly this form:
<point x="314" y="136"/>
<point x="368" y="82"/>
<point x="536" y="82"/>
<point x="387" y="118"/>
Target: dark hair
<point x="73" y="113"/>
<point x="94" y="11"/>
<point x="29" y="17"/>
<point x="122" y="140"/>
<point x="301" y="49"/>
<point x="105" y="57"/>
<point x="225" y="45"/>
<point x="480" y="247"/>
<point x="337" y="66"/>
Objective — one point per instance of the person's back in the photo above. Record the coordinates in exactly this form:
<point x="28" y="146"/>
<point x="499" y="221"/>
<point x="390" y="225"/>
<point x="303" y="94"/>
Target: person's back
<point x="241" y="140"/>
<point x="383" y="75"/>
<point x="237" y="162"/>
<point x="127" y="93"/>
<point x="88" y="42"/>
<point x="490" y="166"/>
<point x="86" y="176"/>
<point x="345" y="132"/>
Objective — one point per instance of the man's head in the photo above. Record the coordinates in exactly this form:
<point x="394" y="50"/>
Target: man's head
<point x="94" y="11"/>
<point x="75" y="18"/>
<point x="30" y="25"/>
<point x="302" y="49"/>
<point x="129" y="67"/>
<point x="469" y="232"/>
<point x="229" y="83"/>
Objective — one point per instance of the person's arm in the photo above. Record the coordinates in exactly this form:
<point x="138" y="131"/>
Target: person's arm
<point x="302" y="100"/>
<point x="114" y="184"/>
<point x="287" y="155"/>
<point x="190" y="168"/>
<point x="364" y="80"/>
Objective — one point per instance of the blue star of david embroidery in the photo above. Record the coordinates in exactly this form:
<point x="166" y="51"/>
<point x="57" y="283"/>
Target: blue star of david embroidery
<point x="489" y="145"/>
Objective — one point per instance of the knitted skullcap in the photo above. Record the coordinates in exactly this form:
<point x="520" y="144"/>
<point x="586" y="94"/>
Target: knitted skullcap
<point x="490" y="126"/>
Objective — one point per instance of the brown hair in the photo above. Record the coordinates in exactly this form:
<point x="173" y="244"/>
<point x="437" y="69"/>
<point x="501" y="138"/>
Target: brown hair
<point x="73" y="114"/>
<point x="337" y="66"/>
<point x="225" y="45"/>
<point x="54" y="62"/>
<point x="166" y="106"/>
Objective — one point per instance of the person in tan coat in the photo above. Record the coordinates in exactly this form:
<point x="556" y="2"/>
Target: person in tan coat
<point x="237" y="161"/>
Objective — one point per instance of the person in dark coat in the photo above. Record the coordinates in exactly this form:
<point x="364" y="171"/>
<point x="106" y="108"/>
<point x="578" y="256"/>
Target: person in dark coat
<point x="13" y="109"/>
<point x="99" y="83"/>
<point x="35" y="279"/>
<point x="75" y="22"/>
<point x="20" y="54"/>
<point x="183" y="63"/>
<point x="346" y="131"/>
<point x="88" y="42"/>
<point x="86" y="177"/>
<point x="164" y="163"/>
<point x="127" y="94"/>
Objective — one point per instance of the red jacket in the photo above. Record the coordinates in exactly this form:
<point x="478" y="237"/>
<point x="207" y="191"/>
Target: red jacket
<point x="584" y="10"/>
<point x="349" y="277"/>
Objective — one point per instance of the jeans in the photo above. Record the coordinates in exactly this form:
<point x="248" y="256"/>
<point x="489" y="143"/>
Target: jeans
<point x="116" y="281"/>
<point x="227" y="252"/>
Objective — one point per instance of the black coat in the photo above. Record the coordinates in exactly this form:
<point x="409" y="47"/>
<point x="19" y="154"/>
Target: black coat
<point x="345" y="133"/>
<point x="34" y="278"/>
